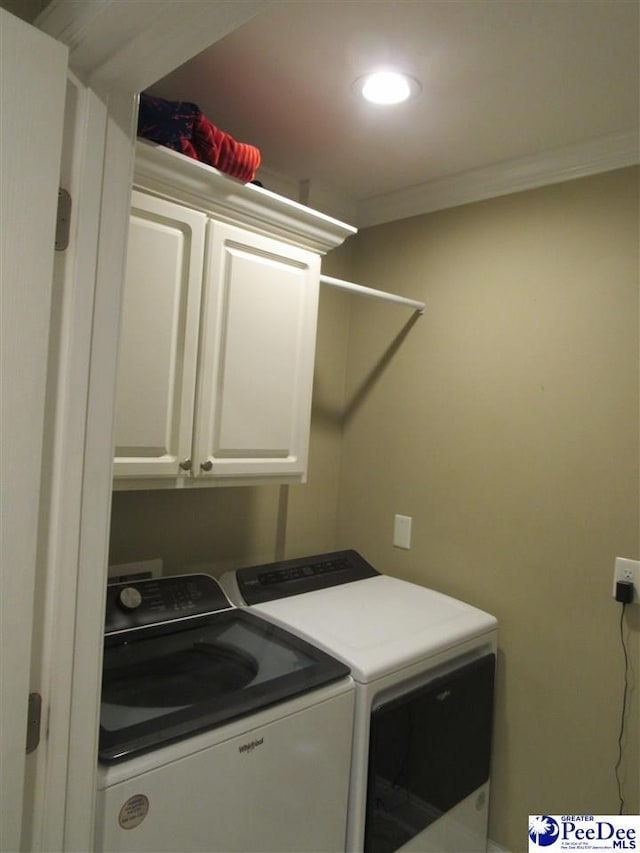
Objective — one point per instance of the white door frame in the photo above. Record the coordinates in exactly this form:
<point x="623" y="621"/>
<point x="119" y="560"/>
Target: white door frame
<point x="116" y="50"/>
<point x="57" y="568"/>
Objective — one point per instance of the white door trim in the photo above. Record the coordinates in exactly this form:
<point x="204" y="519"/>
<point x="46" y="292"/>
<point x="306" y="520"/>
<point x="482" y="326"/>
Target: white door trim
<point x="96" y="475"/>
<point x="72" y="317"/>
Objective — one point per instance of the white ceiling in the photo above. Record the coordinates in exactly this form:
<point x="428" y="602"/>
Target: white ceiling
<point x="504" y="82"/>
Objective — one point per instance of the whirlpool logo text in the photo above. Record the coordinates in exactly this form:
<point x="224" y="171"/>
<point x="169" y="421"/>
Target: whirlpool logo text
<point x="583" y="832"/>
<point x="251" y="745"/>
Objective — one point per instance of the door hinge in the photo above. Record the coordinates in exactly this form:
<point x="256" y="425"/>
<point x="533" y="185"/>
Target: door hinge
<point x="34" y="716"/>
<point x="63" y="220"/>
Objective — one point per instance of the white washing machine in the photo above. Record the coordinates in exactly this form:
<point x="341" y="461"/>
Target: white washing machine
<point x="219" y="731"/>
<point x="424" y="666"/>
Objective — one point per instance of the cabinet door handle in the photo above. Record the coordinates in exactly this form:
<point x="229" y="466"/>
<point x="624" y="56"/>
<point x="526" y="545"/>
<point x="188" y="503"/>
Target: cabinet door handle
<point x="186" y="465"/>
<point x="206" y="466"/>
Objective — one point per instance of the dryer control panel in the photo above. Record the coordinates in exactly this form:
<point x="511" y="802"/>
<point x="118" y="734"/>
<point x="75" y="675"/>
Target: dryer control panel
<point x="258" y="584"/>
<point x="158" y="600"/>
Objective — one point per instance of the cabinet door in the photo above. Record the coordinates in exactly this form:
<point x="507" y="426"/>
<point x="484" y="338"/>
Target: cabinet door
<point x="159" y="339"/>
<point x="257" y="354"/>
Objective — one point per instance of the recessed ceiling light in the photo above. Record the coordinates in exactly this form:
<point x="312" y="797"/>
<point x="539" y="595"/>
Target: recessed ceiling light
<point x="387" y="87"/>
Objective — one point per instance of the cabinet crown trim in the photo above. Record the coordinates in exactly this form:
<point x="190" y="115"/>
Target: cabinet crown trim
<point x="173" y="176"/>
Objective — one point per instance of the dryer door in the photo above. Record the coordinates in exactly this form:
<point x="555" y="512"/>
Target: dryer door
<point x="429" y="749"/>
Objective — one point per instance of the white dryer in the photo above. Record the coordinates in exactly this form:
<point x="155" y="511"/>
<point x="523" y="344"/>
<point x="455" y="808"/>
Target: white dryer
<point x="219" y="731"/>
<point x="424" y="666"/>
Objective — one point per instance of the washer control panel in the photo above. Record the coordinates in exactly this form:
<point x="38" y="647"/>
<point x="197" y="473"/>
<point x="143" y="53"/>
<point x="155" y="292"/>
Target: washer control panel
<point x="258" y="584"/>
<point x="157" y="600"/>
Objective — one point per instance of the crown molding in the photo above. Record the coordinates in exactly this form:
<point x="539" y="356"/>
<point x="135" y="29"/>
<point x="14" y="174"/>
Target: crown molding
<point x="171" y="175"/>
<point x="322" y="197"/>
<point x="550" y="167"/>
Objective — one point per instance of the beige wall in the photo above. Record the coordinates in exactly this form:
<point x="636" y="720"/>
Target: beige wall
<point x="505" y="422"/>
<point x="218" y="529"/>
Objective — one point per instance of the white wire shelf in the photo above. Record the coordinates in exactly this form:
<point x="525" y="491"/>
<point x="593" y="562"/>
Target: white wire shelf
<point x="373" y="293"/>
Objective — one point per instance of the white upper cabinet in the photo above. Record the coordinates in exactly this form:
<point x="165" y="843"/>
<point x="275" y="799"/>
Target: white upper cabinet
<point x="258" y="344"/>
<point x="218" y="333"/>
<point x="159" y="338"/>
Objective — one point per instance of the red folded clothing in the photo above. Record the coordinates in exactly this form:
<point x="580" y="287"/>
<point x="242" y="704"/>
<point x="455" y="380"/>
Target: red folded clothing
<point x="181" y="126"/>
<point x="217" y="148"/>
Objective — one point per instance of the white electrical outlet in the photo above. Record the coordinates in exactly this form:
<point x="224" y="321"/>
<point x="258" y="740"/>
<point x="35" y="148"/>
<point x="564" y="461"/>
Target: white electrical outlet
<point x="627" y="570"/>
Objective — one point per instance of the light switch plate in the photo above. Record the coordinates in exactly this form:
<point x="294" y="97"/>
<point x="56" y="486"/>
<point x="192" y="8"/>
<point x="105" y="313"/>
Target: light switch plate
<point x="402" y="531"/>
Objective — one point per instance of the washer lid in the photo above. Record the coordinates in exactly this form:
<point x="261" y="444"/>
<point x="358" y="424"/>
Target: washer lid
<point x="379" y="625"/>
<point x="166" y="682"/>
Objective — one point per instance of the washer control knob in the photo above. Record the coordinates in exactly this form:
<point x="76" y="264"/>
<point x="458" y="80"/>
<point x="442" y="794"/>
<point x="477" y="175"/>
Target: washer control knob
<point x="129" y="598"/>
